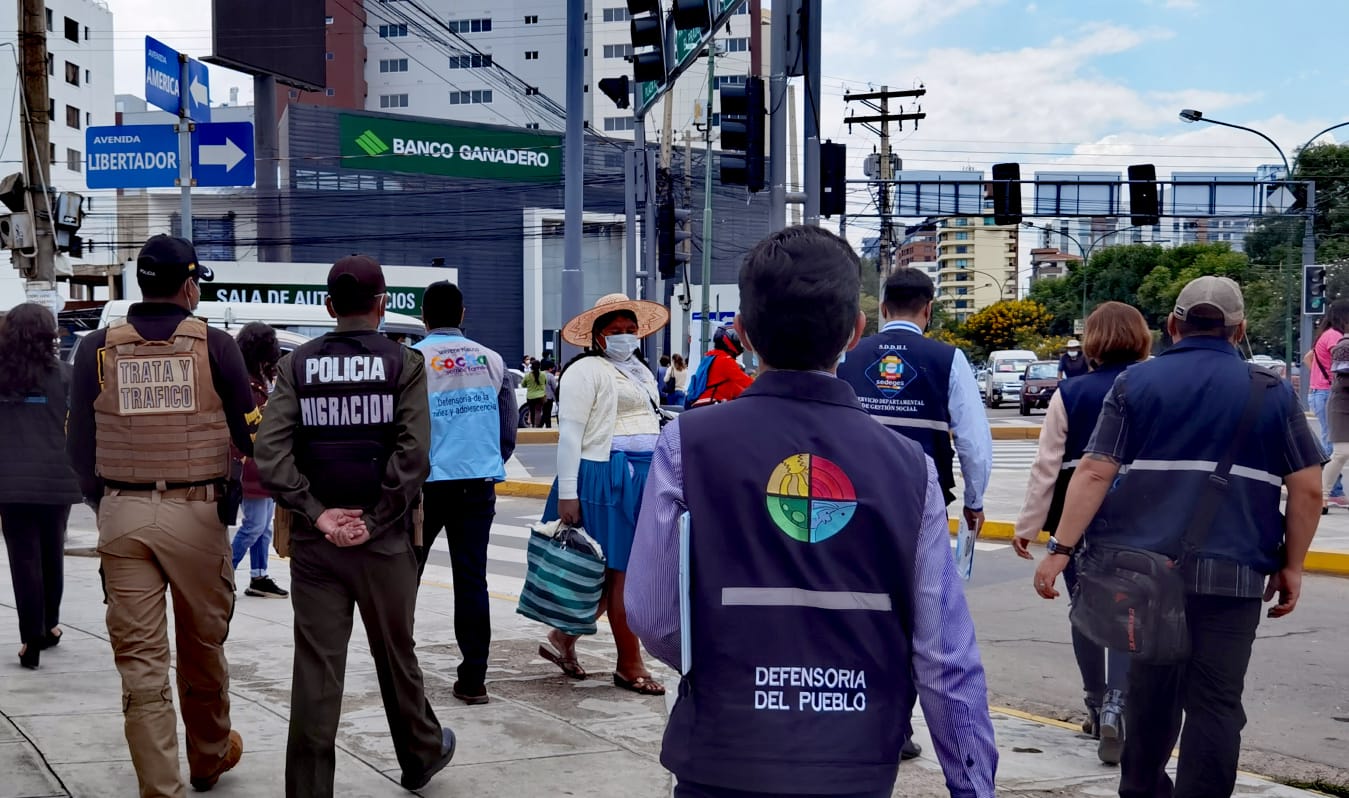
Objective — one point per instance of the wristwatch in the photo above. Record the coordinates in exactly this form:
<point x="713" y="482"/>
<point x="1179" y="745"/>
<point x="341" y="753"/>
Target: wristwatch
<point x="1056" y="547"/>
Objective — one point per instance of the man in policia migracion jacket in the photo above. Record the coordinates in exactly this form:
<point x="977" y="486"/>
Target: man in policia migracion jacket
<point x="344" y="447"/>
<point x="155" y="403"/>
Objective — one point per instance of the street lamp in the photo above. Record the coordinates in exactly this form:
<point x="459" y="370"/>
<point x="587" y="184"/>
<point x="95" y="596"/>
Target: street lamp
<point x="1190" y="115"/>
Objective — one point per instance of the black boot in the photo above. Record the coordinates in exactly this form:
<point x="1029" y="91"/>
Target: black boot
<point x="1112" y="728"/>
<point x="1092" y="725"/>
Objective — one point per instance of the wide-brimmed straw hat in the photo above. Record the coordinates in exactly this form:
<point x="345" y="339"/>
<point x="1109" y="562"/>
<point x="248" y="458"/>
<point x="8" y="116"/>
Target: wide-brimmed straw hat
<point x="651" y="316"/>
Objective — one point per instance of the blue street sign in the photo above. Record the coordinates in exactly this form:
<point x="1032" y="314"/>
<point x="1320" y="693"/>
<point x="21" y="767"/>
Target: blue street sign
<point x="131" y="156"/>
<point x="162" y="75"/>
<point x="146" y="156"/>
<point x="163" y="87"/>
<point x="222" y="154"/>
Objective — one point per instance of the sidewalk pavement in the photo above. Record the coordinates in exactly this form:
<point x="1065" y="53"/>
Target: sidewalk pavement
<point x="542" y="734"/>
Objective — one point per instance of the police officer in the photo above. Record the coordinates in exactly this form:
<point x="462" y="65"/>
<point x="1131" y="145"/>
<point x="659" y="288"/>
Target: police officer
<point x="473" y="426"/>
<point x="155" y="403"/>
<point x="344" y="448"/>
<point x="823" y="595"/>
<point x="924" y="390"/>
<point x="1164" y="427"/>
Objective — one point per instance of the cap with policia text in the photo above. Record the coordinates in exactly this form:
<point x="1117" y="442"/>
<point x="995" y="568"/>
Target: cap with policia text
<point x="166" y="262"/>
<point x="1220" y="293"/>
<point x="356" y="278"/>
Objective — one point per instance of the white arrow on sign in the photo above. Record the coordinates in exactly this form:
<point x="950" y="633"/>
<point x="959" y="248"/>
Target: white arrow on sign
<point x="227" y="155"/>
<point x="199" y="93"/>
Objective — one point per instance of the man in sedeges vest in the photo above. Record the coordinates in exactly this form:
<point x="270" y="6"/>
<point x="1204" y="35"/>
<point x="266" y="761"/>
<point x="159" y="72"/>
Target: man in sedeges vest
<point x="155" y="402"/>
<point x="823" y="594"/>
<point x="344" y="448"/>
<point x="473" y="426"/>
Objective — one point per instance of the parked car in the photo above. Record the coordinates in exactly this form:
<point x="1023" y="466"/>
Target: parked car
<point x="1003" y="381"/>
<point x="1039" y="382"/>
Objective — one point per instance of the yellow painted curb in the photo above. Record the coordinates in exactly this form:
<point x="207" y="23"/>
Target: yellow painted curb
<point x="1015" y="433"/>
<point x="524" y="489"/>
<point x="536" y="436"/>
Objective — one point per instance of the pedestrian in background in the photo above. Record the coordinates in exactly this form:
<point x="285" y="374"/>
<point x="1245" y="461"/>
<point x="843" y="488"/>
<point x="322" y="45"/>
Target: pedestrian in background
<point x="1117" y="337"/>
<point x="550" y="397"/>
<point x="1164" y="427"/>
<point x="473" y="421"/>
<point x="536" y="390"/>
<point x="822" y="541"/>
<point x="1317" y="364"/>
<point x="154" y="460"/>
<point x="1337" y="417"/>
<point x="607" y="430"/>
<point x="679" y="370"/>
<point x="257" y="342"/>
<point x="37" y="484"/>
<point x="344" y="448"/>
<point x="1071" y="362"/>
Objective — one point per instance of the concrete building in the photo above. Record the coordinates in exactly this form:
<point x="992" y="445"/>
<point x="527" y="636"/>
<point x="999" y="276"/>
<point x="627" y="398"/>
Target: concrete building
<point x="80" y="47"/>
<point x="500" y="63"/>
<point x="1051" y="262"/>
<point x="919" y="245"/>
<point x="977" y="263"/>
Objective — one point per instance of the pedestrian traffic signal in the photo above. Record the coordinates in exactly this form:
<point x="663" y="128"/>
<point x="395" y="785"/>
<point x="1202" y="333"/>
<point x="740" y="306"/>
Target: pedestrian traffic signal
<point x="742" y="134"/>
<point x="1006" y="190"/>
<point x="691" y="14"/>
<point x="1313" y="290"/>
<point x="617" y="89"/>
<point x="1145" y="200"/>
<point x="672" y="230"/>
<point x="648" y="30"/>
<point x="833" y="179"/>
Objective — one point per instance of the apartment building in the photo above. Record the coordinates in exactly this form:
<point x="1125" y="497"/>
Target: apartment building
<point x="977" y="263"/>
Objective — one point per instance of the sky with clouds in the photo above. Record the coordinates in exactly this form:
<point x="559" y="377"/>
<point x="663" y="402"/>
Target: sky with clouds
<point x="1053" y="84"/>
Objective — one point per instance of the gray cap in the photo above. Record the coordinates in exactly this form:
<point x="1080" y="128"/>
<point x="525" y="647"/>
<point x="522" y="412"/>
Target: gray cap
<point x="1220" y="293"/>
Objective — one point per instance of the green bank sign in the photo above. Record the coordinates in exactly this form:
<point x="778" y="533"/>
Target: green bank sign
<point x="393" y="145"/>
<point x="400" y="299"/>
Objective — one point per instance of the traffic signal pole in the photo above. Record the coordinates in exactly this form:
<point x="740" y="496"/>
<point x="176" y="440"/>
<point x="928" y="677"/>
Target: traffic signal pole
<point x="706" y="280"/>
<point x="573" y="163"/>
<point x="813" y="56"/>
<point x="1308" y="259"/>
<point x="777" y="116"/>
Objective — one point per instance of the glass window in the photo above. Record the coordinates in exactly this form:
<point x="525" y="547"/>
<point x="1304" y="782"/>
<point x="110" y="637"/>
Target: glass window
<point x="392" y="31"/>
<point x="72" y="117"/>
<point x="531" y="55"/>
<point x="327" y="20"/>
<point x="328" y="56"/>
<point x="330" y="92"/>
<point x="49" y="20"/>
<point x="739" y="45"/>
<point x="72" y="30"/>
<point x="962" y="222"/>
<point x="72" y="74"/>
<point x="74" y="160"/>
<point x="962" y="236"/>
<point x="88" y="76"/>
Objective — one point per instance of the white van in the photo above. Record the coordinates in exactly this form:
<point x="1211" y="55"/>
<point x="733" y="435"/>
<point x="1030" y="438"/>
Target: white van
<point x="1002" y="383"/>
<point x="310" y="321"/>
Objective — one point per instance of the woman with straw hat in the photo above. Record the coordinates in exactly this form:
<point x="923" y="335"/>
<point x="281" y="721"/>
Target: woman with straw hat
<point x="608" y="424"/>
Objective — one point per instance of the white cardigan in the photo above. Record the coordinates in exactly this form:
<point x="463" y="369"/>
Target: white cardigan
<point x="587" y="413"/>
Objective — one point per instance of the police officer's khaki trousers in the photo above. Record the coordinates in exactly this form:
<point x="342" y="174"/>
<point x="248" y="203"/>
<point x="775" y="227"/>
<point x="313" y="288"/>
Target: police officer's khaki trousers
<point x="149" y="541"/>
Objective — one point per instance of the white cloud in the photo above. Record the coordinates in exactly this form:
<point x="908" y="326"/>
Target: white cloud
<point x="1032" y="8"/>
<point x="1185" y="5"/>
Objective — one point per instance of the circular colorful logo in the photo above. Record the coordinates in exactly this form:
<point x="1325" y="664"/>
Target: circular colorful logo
<point x="810" y="498"/>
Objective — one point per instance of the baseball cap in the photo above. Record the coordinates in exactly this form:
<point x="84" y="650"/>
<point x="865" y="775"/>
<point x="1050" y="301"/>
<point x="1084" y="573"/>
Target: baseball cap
<point x="1220" y="293"/>
<point x="165" y="262"/>
<point x="356" y="278"/>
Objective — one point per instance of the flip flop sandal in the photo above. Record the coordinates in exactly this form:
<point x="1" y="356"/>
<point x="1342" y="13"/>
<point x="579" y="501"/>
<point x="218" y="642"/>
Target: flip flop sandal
<point x="642" y="685"/>
<point x="569" y="665"/>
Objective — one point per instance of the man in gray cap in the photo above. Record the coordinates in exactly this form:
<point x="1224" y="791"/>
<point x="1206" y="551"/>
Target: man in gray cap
<point x="156" y="401"/>
<point x="344" y="446"/>
<point x="1168" y="427"/>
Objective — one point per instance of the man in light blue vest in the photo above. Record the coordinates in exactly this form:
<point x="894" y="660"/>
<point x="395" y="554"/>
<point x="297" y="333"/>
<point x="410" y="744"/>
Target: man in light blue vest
<point x="473" y="424"/>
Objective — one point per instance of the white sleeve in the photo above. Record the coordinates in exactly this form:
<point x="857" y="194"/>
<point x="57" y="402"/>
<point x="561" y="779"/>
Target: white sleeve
<point x="577" y="392"/>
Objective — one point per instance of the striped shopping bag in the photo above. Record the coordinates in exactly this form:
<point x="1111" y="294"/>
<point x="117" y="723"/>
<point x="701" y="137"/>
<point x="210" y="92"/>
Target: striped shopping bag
<point x="564" y="578"/>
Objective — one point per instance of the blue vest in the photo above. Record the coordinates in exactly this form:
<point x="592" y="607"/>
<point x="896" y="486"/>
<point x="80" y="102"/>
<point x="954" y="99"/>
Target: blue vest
<point x="1182" y="411"/>
<point x="802" y="562"/>
<point x="904" y="380"/>
<point x="1082" y="399"/>
<point x="463" y="380"/>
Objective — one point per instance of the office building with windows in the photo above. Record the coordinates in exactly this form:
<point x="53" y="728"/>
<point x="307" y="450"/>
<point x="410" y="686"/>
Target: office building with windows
<point x="977" y="263"/>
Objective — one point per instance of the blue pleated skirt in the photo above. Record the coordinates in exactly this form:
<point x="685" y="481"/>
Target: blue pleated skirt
<point x="611" y="498"/>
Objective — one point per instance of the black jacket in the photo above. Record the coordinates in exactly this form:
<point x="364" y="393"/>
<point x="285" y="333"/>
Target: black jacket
<point x="34" y="468"/>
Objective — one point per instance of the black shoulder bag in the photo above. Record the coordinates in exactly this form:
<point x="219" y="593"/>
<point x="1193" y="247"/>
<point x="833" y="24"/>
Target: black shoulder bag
<point x="1133" y="600"/>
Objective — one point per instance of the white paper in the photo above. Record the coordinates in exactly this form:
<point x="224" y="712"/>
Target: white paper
<point x="964" y="549"/>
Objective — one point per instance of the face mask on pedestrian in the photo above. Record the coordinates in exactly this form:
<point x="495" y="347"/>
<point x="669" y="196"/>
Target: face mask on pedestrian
<point x="1073" y="353"/>
<point x="620" y="347"/>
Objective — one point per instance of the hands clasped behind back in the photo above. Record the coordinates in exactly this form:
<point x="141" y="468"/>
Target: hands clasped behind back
<point x="343" y="527"/>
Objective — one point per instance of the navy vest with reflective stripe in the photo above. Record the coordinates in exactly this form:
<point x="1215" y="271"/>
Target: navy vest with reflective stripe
<point x="1082" y="399"/>
<point x="346" y="386"/>
<point x="1182" y="410"/>
<point x="802" y="554"/>
<point x="904" y="380"/>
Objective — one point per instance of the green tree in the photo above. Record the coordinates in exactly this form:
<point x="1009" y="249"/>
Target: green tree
<point x="1005" y="325"/>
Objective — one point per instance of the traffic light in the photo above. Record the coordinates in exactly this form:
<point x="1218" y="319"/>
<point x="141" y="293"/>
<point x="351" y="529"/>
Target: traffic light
<point x="672" y="229"/>
<point x="1145" y="201"/>
<point x="1313" y="290"/>
<point x="833" y="179"/>
<point x="648" y="30"/>
<point x="691" y="14"/>
<point x="617" y="89"/>
<point x="742" y="134"/>
<point x="1006" y="193"/>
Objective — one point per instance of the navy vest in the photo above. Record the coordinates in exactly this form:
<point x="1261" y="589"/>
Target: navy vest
<point x="904" y="380"/>
<point x="1082" y="399"/>
<point x="1182" y="411"/>
<point x="802" y="562"/>
<point x="346" y="386"/>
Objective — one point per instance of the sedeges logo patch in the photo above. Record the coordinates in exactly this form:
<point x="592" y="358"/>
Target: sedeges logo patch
<point x="810" y="498"/>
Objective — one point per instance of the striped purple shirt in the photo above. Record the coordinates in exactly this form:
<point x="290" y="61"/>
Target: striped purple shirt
<point x="950" y="675"/>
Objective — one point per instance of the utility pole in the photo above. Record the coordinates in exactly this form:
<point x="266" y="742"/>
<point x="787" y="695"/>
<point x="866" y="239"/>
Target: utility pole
<point x="573" y="163"/>
<point x="707" y="199"/>
<point x="780" y="29"/>
<point x="41" y="267"/>
<point x="885" y="257"/>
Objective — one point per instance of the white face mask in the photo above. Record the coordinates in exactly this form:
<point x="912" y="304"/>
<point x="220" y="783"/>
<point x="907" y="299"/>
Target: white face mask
<point x="620" y="347"/>
<point x="1073" y="353"/>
